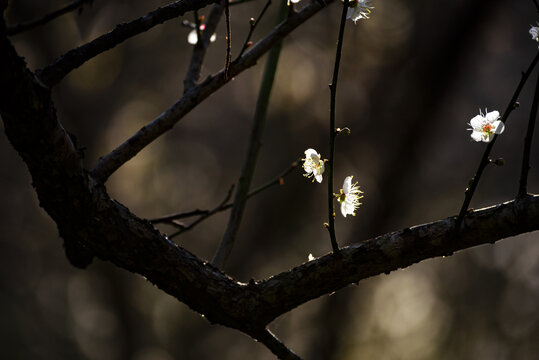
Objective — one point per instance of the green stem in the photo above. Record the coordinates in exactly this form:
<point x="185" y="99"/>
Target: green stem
<point x="244" y="182"/>
<point x="332" y="131"/>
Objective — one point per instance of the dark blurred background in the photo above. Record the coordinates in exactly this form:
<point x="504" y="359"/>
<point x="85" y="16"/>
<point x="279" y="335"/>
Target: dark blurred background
<point x="411" y="79"/>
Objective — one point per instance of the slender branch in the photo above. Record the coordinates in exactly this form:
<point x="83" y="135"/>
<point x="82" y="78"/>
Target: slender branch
<point x="228" y="39"/>
<point x="199" y="50"/>
<point x="536" y="5"/>
<point x="278" y="180"/>
<point x="25" y="26"/>
<point x="279" y="349"/>
<point x="108" y="164"/>
<point x="252" y="27"/>
<point x="485" y="159"/>
<point x="332" y="131"/>
<point x="244" y="183"/>
<point x="523" y="186"/>
<point x="55" y="72"/>
<point x="176" y="216"/>
<point x="204" y="216"/>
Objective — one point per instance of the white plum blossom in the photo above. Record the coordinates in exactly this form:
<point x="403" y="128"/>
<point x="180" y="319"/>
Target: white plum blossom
<point x="293" y="1"/>
<point x="349" y="197"/>
<point x="534" y="32"/>
<point x="313" y="165"/>
<point x="192" y="38"/>
<point x="484" y="127"/>
<point x="358" y="9"/>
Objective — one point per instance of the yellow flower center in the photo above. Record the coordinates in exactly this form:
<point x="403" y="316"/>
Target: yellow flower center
<point x="488" y="128"/>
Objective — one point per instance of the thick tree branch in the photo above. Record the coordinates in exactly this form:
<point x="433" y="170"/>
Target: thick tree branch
<point x="85" y="214"/>
<point x="53" y="73"/>
<point x="108" y="164"/>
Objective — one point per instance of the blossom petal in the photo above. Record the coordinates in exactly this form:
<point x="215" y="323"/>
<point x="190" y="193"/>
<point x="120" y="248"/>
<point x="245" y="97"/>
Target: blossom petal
<point x="499" y="127"/>
<point x="310" y="152"/>
<point x="343" y="209"/>
<point x="192" y="38"/>
<point x="492" y="116"/>
<point x="318" y="178"/>
<point x="477" y="122"/>
<point x="347" y="185"/>
<point x="477" y="135"/>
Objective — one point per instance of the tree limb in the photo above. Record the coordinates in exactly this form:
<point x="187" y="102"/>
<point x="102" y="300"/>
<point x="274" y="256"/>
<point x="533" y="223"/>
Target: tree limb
<point x="85" y="214"/>
<point x="53" y="73"/>
<point x="109" y="163"/>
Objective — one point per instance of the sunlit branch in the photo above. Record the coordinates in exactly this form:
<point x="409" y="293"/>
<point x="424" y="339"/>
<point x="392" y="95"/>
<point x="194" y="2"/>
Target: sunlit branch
<point x="55" y="72"/>
<point x="108" y="164"/>
<point x="25" y="26"/>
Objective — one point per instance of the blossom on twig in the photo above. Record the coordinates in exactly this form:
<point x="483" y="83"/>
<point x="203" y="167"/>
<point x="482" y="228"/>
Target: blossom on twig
<point x="358" y="9"/>
<point x="349" y="197"/>
<point x="484" y="127"/>
<point x="313" y="165"/>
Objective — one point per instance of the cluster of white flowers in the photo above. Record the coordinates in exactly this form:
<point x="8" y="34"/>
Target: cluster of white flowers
<point x="349" y="196"/>
<point x="484" y="127"/>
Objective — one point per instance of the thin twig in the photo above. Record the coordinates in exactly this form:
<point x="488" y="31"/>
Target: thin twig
<point x="536" y="5"/>
<point x="199" y="50"/>
<point x="169" y="218"/>
<point x="252" y="27"/>
<point x="204" y="217"/>
<point x="53" y="73"/>
<point x="197" y="25"/>
<point x="278" y="180"/>
<point x="228" y="39"/>
<point x="108" y="164"/>
<point x="332" y="131"/>
<point x="279" y="349"/>
<point x="523" y="186"/>
<point x="25" y="26"/>
<point x="255" y="143"/>
<point x="485" y="159"/>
